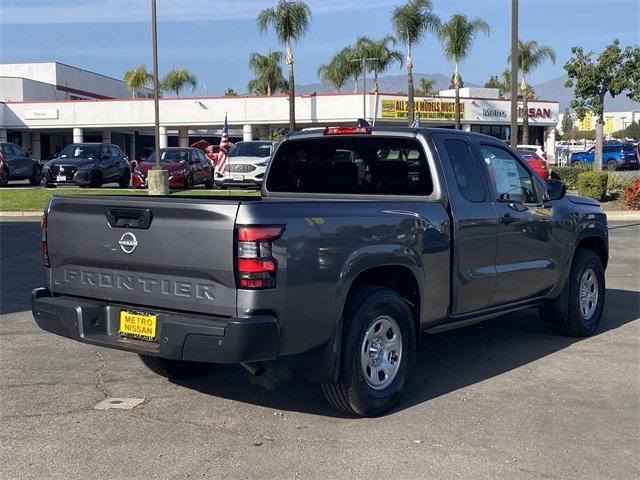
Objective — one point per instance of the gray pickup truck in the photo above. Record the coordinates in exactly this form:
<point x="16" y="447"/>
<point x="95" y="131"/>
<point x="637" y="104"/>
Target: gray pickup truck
<point x="363" y="239"/>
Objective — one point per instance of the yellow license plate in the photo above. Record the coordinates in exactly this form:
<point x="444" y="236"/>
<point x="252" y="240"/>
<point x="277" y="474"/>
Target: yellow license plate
<point x="138" y="325"/>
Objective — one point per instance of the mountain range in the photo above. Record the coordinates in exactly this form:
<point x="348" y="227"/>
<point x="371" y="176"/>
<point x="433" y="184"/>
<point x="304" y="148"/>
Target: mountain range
<point x="549" y="90"/>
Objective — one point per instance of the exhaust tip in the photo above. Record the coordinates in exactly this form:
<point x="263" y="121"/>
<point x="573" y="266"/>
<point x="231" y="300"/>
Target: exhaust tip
<point x="254" y="368"/>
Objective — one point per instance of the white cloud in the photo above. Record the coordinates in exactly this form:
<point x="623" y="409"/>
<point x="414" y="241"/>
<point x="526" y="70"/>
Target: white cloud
<point x="106" y="11"/>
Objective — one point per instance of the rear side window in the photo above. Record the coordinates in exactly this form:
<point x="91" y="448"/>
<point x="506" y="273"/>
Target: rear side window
<point x="466" y="170"/>
<point x="115" y="152"/>
<point x="367" y="165"/>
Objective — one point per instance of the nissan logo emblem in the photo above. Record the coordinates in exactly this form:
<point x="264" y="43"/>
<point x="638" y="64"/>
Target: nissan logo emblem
<point x="128" y="242"/>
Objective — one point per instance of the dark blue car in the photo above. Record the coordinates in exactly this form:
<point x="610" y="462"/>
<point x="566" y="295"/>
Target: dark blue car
<point x="615" y="156"/>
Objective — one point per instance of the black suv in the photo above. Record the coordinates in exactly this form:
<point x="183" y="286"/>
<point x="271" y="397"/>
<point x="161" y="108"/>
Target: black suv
<point x="88" y="165"/>
<point x="18" y="165"/>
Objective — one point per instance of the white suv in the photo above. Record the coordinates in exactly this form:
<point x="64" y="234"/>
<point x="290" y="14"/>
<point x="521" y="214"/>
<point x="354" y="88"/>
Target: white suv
<point x="537" y="149"/>
<point x="246" y="165"/>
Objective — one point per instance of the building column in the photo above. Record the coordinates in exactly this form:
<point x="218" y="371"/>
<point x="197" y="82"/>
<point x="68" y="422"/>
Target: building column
<point x="3" y="135"/>
<point x="550" y="144"/>
<point x="247" y="133"/>
<point x="164" y="140"/>
<point x="35" y="144"/>
<point x="132" y="147"/>
<point x="78" y="135"/>
<point x="183" y="137"/>
<point x="25" y="141"/>
<point x="106" y="136"/>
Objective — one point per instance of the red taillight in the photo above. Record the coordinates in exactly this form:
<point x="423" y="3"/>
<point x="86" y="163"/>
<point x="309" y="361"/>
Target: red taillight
<point x="256" y="265"/>
<point x="347" y="130"/>
<point x="44" y="246"/>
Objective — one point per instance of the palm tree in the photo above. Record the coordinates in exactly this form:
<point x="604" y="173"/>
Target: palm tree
<point x="530" y="56"/>
<point x="411" y="22"/>
<point x="136" y="79"/>
<point x="381" y="51"/>
<point x="426" y="86"/>
<point x="457" y="36"/>
<point x="177" y="79"/>
<point x="269" y="78"/>
<point x="333" y="73"/>
<point x="290" y="19"/>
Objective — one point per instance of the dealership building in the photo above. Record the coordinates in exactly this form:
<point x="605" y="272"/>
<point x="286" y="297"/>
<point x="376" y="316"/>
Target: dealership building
<point x="44" y="106"/>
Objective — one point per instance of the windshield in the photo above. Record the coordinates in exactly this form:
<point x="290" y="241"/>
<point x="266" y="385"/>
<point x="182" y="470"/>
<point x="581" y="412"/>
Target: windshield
<point x="251" y="149"/>
<point x="80" y="151"/>
<point x="171" y="156"/>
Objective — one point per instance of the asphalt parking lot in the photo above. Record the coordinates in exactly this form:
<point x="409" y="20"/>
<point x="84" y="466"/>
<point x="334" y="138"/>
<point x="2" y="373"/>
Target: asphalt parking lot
<point x="505" y="399"/>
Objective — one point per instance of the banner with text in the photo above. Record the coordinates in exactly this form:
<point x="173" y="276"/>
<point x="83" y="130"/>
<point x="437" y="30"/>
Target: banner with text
<point x="427" y="109"/>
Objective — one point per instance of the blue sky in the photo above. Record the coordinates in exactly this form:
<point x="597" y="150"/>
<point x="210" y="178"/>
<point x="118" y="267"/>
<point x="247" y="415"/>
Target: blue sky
<point x="213" y="38"/>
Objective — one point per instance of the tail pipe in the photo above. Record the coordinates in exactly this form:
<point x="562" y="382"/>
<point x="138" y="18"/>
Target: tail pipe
<point x="254" y="368"/>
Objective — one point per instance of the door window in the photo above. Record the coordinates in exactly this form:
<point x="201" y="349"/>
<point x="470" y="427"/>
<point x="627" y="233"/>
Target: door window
<point x="18" y="151"/>
<point x="104" y="152"/>
<point x="466" y="170"/>
<point x="509" y="178"/>
<point x="7" y="151"/>
<point x="115" y="152"/>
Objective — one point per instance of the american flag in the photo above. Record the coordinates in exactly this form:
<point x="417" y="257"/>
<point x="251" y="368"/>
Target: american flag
<point x="224" y="148"/>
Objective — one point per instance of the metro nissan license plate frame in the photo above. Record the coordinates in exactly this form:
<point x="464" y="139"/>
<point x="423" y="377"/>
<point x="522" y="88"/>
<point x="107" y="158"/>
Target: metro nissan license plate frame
<point x="138" y="325"/>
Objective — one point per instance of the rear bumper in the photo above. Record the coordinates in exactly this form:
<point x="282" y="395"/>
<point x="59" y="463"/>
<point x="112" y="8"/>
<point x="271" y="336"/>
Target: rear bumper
<point x="179" y="336"/>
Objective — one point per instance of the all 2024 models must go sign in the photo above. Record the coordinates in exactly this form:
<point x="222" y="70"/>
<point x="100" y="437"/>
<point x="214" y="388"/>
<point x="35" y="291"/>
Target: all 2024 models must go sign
<point x="427" y="109"/>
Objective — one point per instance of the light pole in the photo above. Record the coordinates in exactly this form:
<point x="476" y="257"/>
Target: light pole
<point x="206" y="89"/>
<point x="158" y="178"/>
<point x="364" y="61"/>
<point x="514" y="74"/>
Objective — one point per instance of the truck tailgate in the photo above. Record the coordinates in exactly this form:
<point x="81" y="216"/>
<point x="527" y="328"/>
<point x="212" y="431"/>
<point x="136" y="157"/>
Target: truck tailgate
<point x="162" y="252"/>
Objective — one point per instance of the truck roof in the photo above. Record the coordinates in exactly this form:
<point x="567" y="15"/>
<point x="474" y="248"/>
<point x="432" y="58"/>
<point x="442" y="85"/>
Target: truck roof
<point x="402" y="131"/>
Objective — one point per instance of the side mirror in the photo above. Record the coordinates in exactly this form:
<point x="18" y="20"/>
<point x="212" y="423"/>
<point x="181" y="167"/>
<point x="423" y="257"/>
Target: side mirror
<point x="556" y="189"/>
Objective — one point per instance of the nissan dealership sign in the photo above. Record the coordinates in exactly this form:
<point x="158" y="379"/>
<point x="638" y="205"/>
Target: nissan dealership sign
<point x="499" y="111"/>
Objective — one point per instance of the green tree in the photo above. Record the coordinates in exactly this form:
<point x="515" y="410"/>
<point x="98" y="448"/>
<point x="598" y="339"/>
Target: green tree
<point x="506" y="82"/>
<point x="530" y="56"/>
<point x="411" y="22"/>
<point x="426" y="86"/>
<point x="567" y="124"/>
<point x="136" y="79"/>
<point x="631" y="131"/>
<point x="269" y="78"/>
<point x="380" y="50"/>
<point x="177" y="79"/>
<point x="230" y="92"/>
<point x="334" y="73"/>
<point x="613" y="72"/>
<point x="457" y="37"/>
<point x="290" y="20"/>
<point x="493" y="82"/>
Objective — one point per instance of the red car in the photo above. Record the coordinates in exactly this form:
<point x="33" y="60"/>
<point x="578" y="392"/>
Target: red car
<point x="186" y="166"/>
<point x="538" y="164"/>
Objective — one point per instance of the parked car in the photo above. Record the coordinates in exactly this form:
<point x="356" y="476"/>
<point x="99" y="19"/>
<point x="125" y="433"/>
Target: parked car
<point x="246" y="165"/>
<point x="341" y="266"/>
<point x="187" y="167"/>
<point x="615" y="156"/>
<point x="537" y="149"/>
<point x="88" y="165"/>
<point x="17" y="164"/>
<point x="538" y="164"/>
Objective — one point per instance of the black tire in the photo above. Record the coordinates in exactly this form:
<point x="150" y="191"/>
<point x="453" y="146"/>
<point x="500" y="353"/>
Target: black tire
<point x="36" y="176"/>
<point x="565" y="312"/>
<point x="126" y="179"/>
<point x="96" y="179"/>
<point x="188" y="182"/>
<point x="175" y="369"/>
<point x="4" y="178"/>
<point x="612" y="165"/>
<point x="210" y="184"/>
<point x="576" y="163"/>
<point x="352" y="393"/>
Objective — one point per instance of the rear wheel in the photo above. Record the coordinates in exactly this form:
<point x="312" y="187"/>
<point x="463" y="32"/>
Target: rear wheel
<point x="210" y="184"/>
<point x="36" y="176"/>
<point x="178" y="369"/>
<point x="4" y="177"/>
<point x="578" y="309"/>
<point x="576" y="163"/>
<point x="378" y="353"/>
<point x="188" y="182"/>
<point x="612" y="165"/>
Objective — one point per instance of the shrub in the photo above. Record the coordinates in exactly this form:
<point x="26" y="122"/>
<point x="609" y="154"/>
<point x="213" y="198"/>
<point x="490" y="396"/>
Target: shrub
<point x="632" y="194"/>
<point x="593" y="185"/>
<point x="569" y="175"/>
<point x="617" y="182"/>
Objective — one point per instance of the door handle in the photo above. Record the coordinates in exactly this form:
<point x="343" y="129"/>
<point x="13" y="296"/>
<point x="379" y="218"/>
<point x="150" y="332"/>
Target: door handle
<point x="506" y="219"/>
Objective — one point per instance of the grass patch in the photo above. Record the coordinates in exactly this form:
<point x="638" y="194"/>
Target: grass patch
<point x="35" y="199"/>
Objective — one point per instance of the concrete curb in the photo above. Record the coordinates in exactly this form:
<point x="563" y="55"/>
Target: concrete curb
<point x="26" y="213"/>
